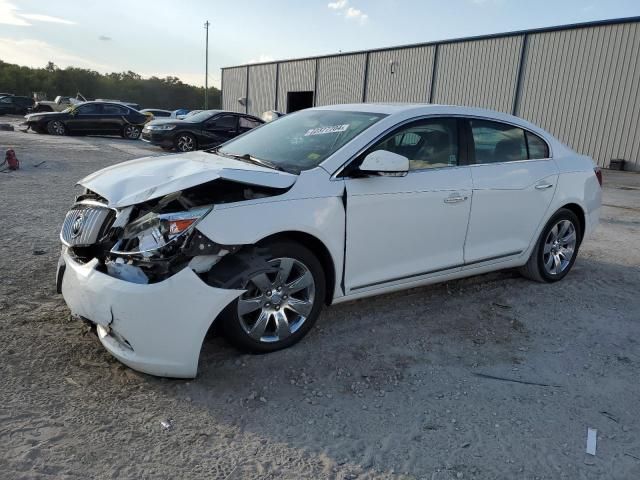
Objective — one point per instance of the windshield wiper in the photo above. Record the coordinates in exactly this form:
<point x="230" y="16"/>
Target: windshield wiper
<point x="256" y="161"/>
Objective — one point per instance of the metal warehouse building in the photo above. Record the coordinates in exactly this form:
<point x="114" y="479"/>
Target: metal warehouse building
<point x="580" y="82"/>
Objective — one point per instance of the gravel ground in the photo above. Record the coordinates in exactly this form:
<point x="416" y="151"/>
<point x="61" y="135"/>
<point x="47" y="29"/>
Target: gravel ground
<point x="388" y="387"/>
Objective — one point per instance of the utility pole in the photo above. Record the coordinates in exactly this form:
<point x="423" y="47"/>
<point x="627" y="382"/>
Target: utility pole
<point x="206" y="67"/>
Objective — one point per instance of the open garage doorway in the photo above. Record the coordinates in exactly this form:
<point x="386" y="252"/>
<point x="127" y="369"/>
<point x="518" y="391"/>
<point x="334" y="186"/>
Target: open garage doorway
<point x="299" y="101"/>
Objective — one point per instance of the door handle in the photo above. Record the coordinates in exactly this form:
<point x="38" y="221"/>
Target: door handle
<point x="455" y="199"/>
<point x="544" y="186"/>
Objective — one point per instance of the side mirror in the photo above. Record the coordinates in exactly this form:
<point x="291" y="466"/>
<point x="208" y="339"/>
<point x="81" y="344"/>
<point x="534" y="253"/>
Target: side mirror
<point x="384" y="162"/>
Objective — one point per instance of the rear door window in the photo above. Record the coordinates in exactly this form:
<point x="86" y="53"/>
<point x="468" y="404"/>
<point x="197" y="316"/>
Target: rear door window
<point x="89" y="109"/>
<point x="496" y="142"/>
<point x="224" y="122"/>
<point x="114" y="110"/>
<point x="247" y="123"/>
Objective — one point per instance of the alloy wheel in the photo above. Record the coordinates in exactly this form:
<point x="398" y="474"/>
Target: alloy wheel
<point x="131" y="131"/>
<point x="559" y="247"/>
<point x="56" y="127"/>
<point x="275" y="305"/>
<point x="185" y="143"/>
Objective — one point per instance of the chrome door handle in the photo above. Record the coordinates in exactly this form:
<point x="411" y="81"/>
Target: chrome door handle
<point x="544" y="186"/>
<point x="455" y="199"/>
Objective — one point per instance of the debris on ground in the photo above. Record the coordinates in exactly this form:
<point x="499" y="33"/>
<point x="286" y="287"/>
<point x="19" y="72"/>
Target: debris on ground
<point x="515" y="380"/>
<point x="501" y="305"/>
<point x="610" y="416"/>
<point x="166" y="424"/>
<point x="592" y="433"/>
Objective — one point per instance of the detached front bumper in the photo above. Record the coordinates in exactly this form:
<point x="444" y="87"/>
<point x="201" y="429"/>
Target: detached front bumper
<point x="157" y="328"/>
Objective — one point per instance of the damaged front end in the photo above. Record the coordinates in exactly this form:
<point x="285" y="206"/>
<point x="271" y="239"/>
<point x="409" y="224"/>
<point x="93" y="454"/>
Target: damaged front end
<point x="151" y="241"/>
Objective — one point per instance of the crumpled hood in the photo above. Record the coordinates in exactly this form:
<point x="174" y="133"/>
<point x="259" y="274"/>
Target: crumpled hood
<point x="147" y="178"/>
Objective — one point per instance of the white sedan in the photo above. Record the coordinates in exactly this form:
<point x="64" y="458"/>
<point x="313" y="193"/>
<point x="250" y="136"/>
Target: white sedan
<point x="323" y="206"/>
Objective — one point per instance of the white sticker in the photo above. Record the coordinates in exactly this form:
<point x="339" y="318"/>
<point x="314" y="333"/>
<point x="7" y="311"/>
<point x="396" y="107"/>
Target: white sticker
<point x="325" y="130"/>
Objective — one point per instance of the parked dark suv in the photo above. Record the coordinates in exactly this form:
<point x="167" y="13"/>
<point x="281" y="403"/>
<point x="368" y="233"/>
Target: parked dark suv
<point x="12" y="104"/>
<point x="205" y="129"/>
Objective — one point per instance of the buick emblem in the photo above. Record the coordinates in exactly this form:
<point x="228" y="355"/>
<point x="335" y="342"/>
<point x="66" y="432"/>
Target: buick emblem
<point x="76" y="228"/>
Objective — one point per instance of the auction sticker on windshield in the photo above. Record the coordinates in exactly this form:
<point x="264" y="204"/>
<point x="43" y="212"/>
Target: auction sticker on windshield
<point x="325" y="130"/>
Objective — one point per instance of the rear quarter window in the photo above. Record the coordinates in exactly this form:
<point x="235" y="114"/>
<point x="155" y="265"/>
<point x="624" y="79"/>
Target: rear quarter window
<point x="537" y="147"/>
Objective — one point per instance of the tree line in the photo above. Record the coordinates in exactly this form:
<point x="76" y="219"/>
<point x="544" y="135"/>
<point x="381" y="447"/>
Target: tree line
<point x="168" y="93"/>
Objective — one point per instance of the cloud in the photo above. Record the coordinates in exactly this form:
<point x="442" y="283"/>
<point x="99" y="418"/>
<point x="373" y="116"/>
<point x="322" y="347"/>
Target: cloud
<point x="11" y="15"/>
<point x="8" y="15"/>
<point x="36" y="53"/>
<point x="45" y="18"/>
<point x="355" y="14"/>
<point x="338" y="4"/>
<point x="104" y="38"/>
<point x="350" y="13"/>
<point x="262" y="59"/>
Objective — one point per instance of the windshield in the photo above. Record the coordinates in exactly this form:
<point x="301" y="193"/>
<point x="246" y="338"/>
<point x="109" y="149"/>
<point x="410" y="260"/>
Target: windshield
<point x="199" y="117"/>
<point x="303" y="140"/>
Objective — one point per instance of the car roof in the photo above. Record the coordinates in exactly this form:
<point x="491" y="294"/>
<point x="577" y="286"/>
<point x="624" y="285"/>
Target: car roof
<point x="419" y="109"/>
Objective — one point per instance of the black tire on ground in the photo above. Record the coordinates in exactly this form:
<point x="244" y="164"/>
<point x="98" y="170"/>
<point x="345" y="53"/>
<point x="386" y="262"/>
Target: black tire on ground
<point x="131" y="132"/>
<point x="185" y="142"/>
<point x="56" y="127"/>
<point x="235" y="271"/>
<point x="535" y="269"/>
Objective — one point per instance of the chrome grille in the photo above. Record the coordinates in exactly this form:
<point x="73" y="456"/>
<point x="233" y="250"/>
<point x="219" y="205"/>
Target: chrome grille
<point x="84" y="224"/>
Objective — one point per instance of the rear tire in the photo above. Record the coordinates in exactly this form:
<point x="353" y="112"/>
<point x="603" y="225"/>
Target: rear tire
<point x="556" y="249"/>
<point x="56" y="127"/>
<point x="131" y="132"/>
<point x="285" y="291"/>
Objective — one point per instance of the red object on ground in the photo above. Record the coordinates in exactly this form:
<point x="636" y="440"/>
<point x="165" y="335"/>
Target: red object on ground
<point x="11" y="160"/>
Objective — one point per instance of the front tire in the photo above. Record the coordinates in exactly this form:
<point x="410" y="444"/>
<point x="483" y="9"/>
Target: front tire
<point x="556" y="249"/>
<point x="285" y="291"/>
<point x="131" y="132"/>
<point x="185" y="142"/>
<point x="56" y="127"/>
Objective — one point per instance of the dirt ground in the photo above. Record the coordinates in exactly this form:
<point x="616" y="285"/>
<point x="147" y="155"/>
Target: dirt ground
<point x="388" y="387"/>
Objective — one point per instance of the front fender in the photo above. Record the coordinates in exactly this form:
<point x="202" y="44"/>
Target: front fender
<point x="247" y="224"/>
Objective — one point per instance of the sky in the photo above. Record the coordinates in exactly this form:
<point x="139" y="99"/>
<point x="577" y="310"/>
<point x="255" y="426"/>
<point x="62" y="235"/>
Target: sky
<point x="167" y="37"/>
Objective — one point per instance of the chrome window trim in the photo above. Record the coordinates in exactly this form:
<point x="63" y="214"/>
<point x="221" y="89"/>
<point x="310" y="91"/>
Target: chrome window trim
<point x="335" y="176"/>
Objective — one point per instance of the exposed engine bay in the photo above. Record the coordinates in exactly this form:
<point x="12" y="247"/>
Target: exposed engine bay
<point x="151" y="241"/>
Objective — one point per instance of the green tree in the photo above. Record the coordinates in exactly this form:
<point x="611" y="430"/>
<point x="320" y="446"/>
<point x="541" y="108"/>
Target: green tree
<point x="169" y="93"/>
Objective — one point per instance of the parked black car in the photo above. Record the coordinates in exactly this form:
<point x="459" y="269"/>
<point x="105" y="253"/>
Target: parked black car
<point x="12" y="104"/>
<point x="205" y="129"/>
<point x="97" y="118"/>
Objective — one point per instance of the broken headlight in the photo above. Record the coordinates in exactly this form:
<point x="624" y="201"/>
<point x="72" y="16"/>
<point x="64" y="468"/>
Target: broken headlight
<point x="153" y="231"/>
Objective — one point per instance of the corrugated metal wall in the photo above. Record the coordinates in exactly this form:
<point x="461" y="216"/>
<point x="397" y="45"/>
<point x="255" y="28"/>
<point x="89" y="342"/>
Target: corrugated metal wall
<point x="481" y="73"/>
<point x="295" y="76"/>
<point x="234" y="82"/>
<point x="262" y="88"/>
<point x="401" y="75"/>
<point x="582" y="86"/>
<point x="340" y="79"/>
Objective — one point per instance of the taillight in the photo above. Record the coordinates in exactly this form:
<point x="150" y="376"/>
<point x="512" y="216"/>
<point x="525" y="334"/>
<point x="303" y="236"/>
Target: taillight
<point x="598" y="175"/>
